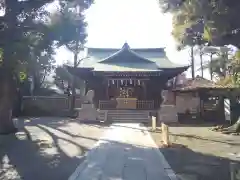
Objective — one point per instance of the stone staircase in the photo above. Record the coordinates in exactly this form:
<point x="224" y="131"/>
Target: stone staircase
<point x="102" y="117"/>
<point x="128" y="116"/>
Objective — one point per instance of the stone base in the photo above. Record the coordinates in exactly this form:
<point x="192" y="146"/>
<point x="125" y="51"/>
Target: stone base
<point x="88" y="113"/>
<point x="167" y="113"/>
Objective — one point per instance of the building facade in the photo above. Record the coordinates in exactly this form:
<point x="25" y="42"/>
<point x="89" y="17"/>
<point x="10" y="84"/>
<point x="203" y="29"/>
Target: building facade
<point x="127" y="78"/>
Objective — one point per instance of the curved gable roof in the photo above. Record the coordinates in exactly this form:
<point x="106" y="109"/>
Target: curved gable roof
<point x="125" y="55"/>
<point x="127" y="59"/>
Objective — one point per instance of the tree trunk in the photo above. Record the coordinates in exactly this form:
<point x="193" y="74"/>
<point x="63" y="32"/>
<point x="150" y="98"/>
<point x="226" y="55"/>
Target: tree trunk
<point x="201" y="63"/>
<point x="6" y="104"/>
<point x="7" y="68"/>
<point x="72" y="107"/>
<point x="211" y="72"/>
<point x="192" y="63"/>
<point x="235" y="128"/>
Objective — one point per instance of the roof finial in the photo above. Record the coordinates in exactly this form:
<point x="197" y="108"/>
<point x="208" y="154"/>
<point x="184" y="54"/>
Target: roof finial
<point x="126" y="46"/>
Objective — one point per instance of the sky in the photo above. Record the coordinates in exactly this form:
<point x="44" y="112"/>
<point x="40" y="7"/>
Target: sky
<point x="141" y="23"/>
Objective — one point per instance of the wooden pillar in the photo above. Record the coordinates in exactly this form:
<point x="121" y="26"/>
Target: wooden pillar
<point x="86" y="87"/>
<point x="144" y="91"/>
<point x="107" y="89"/>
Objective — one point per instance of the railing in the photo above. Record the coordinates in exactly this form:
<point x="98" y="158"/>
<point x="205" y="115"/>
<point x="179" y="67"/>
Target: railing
<point x="112" y="104"/>
<point x="107" y="104"/>
<point x="145" y="104"/>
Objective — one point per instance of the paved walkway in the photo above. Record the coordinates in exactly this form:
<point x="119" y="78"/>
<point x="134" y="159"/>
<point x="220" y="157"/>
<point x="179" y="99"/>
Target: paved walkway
<point x="126" y="152"/>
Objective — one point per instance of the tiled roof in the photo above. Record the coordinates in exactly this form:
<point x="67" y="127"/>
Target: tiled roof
<point x="127" y="59"/>
<point x="200" y="83"/>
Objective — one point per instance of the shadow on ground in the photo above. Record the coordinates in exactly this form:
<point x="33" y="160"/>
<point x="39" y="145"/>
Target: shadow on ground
<point x="25" y="157"/>
<point x="192" y="137"/>
<point x="149" y="128"/>
<point x="190" y="165"/>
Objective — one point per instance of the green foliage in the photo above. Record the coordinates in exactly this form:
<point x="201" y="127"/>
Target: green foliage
<point x="26" y="47"/>
<point x="220" y="25"/>
<point x="24" y="39"/>
<point x="228" y="71"/>
<point x="63" y="77"/>
<point x="27" y="37"/>
<point x="68" y="27"/>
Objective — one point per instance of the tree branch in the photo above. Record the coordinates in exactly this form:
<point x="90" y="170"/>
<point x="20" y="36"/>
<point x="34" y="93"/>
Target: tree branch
<point x="80" y="60"/>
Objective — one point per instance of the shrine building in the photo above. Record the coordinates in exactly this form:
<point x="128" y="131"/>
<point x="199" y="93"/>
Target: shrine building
<point x="127" y="78"/>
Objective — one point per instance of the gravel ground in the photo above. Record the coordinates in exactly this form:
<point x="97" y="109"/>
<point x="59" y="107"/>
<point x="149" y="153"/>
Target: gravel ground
<point x="46" y="149"/>
<point x="200" y="154"/>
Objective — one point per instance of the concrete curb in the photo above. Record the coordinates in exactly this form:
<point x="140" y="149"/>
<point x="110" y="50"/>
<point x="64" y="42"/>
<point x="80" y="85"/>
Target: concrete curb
<point x="84" y="164"/>
<point x="171" y="174"/>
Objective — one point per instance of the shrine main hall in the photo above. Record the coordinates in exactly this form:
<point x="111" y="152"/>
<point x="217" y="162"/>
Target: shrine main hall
<point x="127" y="78"/>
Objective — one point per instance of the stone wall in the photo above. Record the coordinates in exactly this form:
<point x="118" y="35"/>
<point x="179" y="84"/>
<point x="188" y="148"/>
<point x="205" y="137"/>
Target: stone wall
<point x="186" y="102"/>
<point x="177" y="103"/>
<point x="167" y="112"/>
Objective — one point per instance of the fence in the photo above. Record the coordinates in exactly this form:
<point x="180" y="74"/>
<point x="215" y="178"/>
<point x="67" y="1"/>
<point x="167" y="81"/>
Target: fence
<point x="112" y="104"/>
<point x="35" y="105"/>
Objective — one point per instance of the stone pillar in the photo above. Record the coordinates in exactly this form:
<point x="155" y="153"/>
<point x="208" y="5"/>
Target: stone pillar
<point x="88" y="111"/>
<point x="168" y="111"/>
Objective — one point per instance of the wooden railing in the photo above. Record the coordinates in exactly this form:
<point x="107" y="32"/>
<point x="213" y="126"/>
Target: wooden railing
<point x="112" y="104"/>
<point x="145" y="104"/>
<point x="107" y="104"/>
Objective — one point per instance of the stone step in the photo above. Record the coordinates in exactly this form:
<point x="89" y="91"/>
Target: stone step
<point x="128" y="116"/>
<point x="132" y="115"/>
<point x="126" y="111"/>
<point x="129" y="120"/>
<point x="124" y="116"/>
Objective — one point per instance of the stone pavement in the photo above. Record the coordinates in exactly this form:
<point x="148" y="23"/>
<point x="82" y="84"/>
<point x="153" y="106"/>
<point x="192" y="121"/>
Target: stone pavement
<point x="126" y="152"/>
<point x="46" y="148"/>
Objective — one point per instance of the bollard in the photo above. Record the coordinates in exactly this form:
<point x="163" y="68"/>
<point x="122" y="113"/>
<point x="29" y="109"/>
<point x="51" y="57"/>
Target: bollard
<point x="154" y="119"/>
<point x="165" y="134"/>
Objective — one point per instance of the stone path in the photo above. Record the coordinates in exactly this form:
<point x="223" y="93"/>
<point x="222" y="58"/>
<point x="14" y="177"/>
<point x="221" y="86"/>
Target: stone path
<point x="126" y="152"/>
<point x="46" y="148"/>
